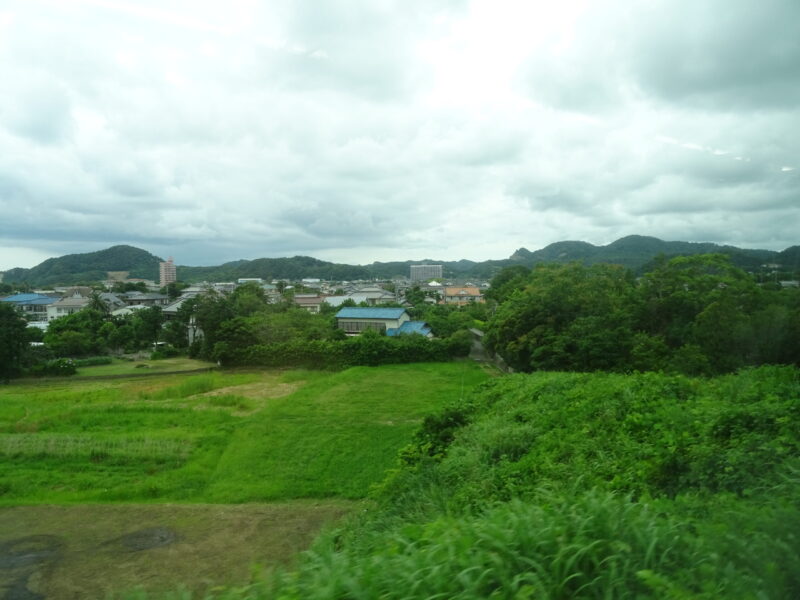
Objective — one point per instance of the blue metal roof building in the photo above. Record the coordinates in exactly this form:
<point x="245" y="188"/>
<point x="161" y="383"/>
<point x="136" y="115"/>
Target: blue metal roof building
<point x="29" y="299"/>
<point x="356" y="312"/>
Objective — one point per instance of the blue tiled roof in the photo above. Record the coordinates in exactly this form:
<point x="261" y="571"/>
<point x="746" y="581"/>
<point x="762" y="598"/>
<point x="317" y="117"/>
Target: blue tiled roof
<point x="409" y="327"/>
<point x="29" y="299"/>
<point x="370" y="313"/>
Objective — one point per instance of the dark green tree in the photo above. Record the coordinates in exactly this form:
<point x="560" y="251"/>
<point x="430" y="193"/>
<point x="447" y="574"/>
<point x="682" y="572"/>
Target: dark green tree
<point x="568" y="317"/>
<point x="13" y="340"/>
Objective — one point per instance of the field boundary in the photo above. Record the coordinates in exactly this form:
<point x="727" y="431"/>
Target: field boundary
<point x="34" y="381"/>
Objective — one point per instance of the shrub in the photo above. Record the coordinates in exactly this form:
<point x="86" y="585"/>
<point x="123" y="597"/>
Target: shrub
<point x="93" y="361"/>
<point x="59" y="367"/>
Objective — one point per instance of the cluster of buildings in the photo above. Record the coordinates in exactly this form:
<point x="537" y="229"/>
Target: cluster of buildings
<point x="41" y="307"/>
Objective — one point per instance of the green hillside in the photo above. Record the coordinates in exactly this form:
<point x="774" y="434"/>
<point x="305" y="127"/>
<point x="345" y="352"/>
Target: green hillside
<point x="559" y="485"/>
<point x="296" y="267"/>
<point x="89" y="267"/>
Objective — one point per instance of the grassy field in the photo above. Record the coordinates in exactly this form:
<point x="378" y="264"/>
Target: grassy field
<point x="215" y="437"/>
<point x="143" y="367"/>
<point x="85" y="463"/>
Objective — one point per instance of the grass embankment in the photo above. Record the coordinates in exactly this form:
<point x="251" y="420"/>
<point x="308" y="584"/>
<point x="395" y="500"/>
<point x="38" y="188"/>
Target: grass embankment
<point x="582" y="486"/>
<point x="216" y="437"/>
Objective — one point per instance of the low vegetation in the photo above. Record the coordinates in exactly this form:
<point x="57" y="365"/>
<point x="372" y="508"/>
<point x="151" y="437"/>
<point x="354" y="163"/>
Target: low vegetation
<point x="215" y="437"/>
<point x="560" y="485"/>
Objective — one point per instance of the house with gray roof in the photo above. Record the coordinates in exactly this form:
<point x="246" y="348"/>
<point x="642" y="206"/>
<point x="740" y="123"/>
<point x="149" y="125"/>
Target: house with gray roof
<point x="391" y="321"/>
<point x="66" y="306"/>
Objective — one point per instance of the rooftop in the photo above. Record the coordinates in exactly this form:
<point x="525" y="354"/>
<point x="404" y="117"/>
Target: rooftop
<point x="370" y="313"/>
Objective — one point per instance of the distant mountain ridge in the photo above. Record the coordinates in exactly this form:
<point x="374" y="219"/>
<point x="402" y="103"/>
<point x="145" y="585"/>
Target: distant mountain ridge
<point x="635" y="252"/>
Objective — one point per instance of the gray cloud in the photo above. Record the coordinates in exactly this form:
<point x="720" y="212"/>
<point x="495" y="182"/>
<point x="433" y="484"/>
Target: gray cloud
<point x="378" y="131"/>
<point x="720" y="55"/>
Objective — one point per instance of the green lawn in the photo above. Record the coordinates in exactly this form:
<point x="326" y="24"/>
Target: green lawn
<point x="216" y="437"/>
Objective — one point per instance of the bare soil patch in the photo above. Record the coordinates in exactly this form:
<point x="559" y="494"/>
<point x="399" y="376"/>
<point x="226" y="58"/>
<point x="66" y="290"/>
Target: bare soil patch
<point x="256" y="390"/>
<point x="93" y="551"/>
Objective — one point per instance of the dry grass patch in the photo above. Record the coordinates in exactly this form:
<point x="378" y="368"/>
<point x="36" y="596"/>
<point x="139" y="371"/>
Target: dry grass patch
<point x="92" y="551"/>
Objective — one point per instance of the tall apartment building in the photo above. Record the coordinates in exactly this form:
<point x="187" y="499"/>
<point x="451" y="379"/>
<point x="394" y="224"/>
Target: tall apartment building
<point x="168" y="272"/>
<point x="425" y="272"/>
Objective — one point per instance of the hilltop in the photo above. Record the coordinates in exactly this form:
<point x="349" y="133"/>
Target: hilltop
<point x="91" y="266"/>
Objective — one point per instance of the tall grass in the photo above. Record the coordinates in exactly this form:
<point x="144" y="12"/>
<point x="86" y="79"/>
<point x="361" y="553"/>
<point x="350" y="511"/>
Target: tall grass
<point x="198" y="384"/>
<point x="156" y="439"/>
<point x="87" y="445"/>
<point x="563" y="486"/>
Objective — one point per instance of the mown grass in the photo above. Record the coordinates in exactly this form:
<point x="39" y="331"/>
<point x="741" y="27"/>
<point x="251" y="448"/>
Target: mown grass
<point x="167" y="438"/>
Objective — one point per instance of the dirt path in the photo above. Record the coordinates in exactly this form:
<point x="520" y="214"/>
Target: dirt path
<point x="77" y="552"/>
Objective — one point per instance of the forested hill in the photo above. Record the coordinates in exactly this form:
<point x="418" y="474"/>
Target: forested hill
<point x="89" y="267"/>
<point x="634" y="252"/>
<point x="296" y="267"/>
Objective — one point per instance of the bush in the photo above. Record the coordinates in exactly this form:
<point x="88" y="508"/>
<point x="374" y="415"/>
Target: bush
<point x="60" y="367"/>
<point x="364" y="350"/>
<point x="93" y="361"/>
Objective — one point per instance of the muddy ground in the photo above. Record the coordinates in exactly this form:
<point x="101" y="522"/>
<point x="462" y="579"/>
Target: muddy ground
<point x="92" y="551"/>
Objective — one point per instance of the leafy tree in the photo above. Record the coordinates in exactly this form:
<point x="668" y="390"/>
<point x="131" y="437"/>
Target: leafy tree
<point x="506" y="282"/>
<point x="248" y="299"/>
<point x="147" y="324"/>
<point x="76" y="334"/>
<point x="415" y="296"/>
<point x="209" y="312"/>
<point x="13" y="340"/>
<point x="173" y="289"/>
<point x="568" y="317"/>
<point x="96" y="303"/>
<point x="702" y="305"/>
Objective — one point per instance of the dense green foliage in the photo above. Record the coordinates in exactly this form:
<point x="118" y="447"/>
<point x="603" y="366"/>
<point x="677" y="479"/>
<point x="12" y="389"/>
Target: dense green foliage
<point x="565" y="486"/>
<point x="92" y="332"/>
<point x="694" y="315"/>
<point x="216" y="437"/>
<point x="368" y="349"/>
<point x="13" y="341"/>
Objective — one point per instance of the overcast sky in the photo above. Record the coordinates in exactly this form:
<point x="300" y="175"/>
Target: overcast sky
<point x="366" y="130"/>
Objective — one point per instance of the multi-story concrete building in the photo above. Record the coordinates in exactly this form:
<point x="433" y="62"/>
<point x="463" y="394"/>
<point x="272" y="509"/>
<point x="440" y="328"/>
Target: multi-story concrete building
<point x="425" y="272"/>
<point x="168" y="272"/>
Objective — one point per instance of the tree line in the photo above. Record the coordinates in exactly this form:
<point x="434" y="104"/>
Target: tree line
<point x="697" y="315"/>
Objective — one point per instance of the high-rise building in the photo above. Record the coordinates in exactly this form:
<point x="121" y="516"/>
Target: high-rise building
<point x="168" y="272"/>
<point x="425" y="272"/>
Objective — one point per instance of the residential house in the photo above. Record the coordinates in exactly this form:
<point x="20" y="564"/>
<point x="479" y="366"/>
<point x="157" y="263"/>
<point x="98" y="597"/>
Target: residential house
<point x="112" y="301"/>
<point x="141" y="299"/>
<point x="391" y="321"/>
<point x="33" y="306"/>
<point x="462" y="295"/>
<point x="354" y="320"/>
<point x="311" y="302"/>
<point x="371" y="295"/>
<point x="66" y="306"/>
